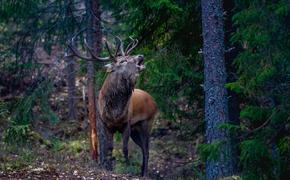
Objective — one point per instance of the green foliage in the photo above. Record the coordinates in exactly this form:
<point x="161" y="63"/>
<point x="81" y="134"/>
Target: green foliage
<point x="57" y="145"/>
<point x="132" y="168"/>
<point x="23" y="8"/>
<point x="169" y="32"/>
<point x="261" y="30"/>
<point x="265" y="56"/>
<point x="25" y="25"/>
<point x="254" y="113"/>
<point x="234" y="86"/>
<point x="118" y="136"/>
<point x="210" y="151"/>
<point x="74" y="147"/>
<point x="284" y="145"/>
<point x="263" y="77"/>
<point x="170" y="39"/>
<point x="256" y="160"/>
<point x="21" y="157"/>
<point x="232" y="128"/>
<point x="3" y="109"/>
<point x="170" y="79"/>
<point x="16" y="134"/>
<point x="36" y="97"/>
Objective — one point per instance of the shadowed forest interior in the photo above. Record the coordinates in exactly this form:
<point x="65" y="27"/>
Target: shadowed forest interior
<point x="145" y="89"/>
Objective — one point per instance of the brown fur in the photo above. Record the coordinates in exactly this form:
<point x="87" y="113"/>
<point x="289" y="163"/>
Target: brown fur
<point x="142" y="107"/>
<point x="128" y="110"/>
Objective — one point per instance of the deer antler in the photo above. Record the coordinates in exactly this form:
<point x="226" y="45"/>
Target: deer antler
<point x="121" y="45"/>
<point x="131" y="45"/>
<point x="117" y="50"/>
<point x="77" y="53"/>
<point x="93" y="56"/>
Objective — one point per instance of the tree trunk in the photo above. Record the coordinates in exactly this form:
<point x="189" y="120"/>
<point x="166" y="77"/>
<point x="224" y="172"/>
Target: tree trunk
<point x="71" y="78"/>
<point x="104" y="142"/>
<point x="70" y="69"/>
<point x="216" y="104"/>
<point x="94" y="40"/>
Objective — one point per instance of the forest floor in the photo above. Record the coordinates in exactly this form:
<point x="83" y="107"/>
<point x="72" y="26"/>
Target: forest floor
<point x="61" y="150"/>
<point x="66" y="156"/>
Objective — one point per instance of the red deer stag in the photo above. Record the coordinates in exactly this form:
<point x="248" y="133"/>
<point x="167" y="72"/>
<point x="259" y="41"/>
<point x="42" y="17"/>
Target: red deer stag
<point x="122" y="107"/>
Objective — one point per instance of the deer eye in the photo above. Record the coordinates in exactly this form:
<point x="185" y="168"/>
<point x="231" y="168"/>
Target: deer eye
<point x="122" y="61"/>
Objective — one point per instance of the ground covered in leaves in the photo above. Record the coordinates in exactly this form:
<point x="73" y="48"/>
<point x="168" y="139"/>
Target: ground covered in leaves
<point x="64" y="154"/>
<point x="61" y="150"/>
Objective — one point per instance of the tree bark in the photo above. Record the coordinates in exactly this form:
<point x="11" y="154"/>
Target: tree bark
<point x="216" y="103"/>
<point x="104" y="145"/>
<point x="71" y="78"/>
<point x="70" y="69"/>
<point x="94" y="40"/>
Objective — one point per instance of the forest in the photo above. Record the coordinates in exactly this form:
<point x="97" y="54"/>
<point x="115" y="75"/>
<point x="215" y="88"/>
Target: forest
<point x="145" y="89"/>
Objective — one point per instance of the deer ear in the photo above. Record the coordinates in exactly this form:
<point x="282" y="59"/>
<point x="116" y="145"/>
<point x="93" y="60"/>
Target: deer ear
<point x="109" y="67"/>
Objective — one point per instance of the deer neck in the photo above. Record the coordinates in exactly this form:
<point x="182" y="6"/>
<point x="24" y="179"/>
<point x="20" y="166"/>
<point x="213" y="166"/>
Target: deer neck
<point x="116" y="93"/>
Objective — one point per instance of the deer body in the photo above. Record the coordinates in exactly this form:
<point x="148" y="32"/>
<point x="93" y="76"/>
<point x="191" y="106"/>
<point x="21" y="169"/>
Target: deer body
<point x="138" y="106"/>
<point x="122" y="107"/>
<point x="143" y="107"/>
<point x="127" y="110"/>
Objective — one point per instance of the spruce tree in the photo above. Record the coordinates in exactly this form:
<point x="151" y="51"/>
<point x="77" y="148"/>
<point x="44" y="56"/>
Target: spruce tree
<point x="216" y="103"/>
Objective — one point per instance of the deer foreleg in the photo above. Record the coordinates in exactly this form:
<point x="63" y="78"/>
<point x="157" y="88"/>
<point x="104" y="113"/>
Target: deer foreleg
<point x="126" y="135"/>
<point x="108" y="164"/>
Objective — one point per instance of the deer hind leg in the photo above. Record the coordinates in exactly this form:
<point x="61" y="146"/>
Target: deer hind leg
<point x="126" y="135"/>
<point x="140" y="136"/>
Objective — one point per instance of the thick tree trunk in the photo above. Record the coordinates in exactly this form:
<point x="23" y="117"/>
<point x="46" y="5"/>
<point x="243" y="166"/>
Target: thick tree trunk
<point x="104" y="143"/>
<point x="94" y="40"/>
<point x="216" y="104"/>
<point x="70" y="70"/>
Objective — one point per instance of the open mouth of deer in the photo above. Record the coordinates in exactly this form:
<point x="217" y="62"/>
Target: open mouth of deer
<point x="140" y="62"/>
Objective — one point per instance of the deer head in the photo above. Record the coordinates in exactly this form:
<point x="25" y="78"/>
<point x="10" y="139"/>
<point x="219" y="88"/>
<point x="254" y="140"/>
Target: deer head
<point x="121" y="60"/>
<point x="119" y="84"/>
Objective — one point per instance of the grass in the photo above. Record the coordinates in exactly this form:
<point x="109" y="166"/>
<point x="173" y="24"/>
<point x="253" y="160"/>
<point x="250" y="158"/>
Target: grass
<point x="13" y="157"/>
<point x="135" y="161"/>
<point x="168" y="157"/>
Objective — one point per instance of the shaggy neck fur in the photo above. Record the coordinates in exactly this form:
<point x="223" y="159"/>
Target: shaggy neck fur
<point x="117" y="91"/>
